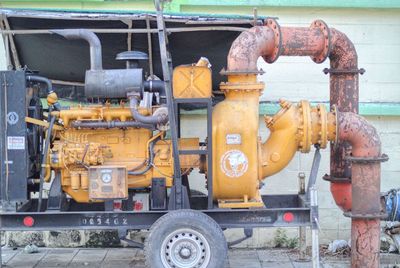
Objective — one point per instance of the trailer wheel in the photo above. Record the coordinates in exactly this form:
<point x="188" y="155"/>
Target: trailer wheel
<point x="185" y="238"/>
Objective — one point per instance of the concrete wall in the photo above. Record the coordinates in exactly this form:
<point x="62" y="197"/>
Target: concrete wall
<point x="376" y="34"/>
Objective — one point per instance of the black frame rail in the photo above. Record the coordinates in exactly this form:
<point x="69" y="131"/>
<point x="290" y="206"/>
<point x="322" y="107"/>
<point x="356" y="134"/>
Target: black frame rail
<point x="208" y="152"/>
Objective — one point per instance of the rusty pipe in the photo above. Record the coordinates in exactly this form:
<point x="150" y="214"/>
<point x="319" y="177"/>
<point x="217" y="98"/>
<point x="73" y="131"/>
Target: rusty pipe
<point x="248" y="47"/>
<point x="318" y="42"/>
<point x="365" y="187"/>
<point x="358" y="175"/>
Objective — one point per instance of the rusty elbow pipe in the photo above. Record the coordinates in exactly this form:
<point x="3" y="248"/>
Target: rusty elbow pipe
<point x="248" y="47"/>
<point x="91" y="38"/>
<point x="365" y="187"/>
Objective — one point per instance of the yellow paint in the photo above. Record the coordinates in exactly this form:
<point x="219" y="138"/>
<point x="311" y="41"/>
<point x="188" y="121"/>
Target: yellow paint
<point x="192" y="81"/>
<point x="240" y="160"/>
<point x="96" y="112"/>
<point x="74" y="150"/>
<point x="237" y="116"/>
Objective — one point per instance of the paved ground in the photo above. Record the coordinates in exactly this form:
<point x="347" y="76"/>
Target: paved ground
<point x="127" y="257"/>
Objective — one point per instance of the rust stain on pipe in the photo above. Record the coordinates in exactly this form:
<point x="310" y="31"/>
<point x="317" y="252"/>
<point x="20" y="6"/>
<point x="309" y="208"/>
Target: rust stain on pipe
<point x="355" y="186"/>
<point x="248" y="47"/>
<point x="365" y="170"/>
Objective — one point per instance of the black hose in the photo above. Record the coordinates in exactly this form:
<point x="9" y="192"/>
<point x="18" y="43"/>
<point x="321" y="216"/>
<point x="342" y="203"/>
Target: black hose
<point x="110" y="124"/>
<point x="154" y="86"/>
<point x="151" y="119"/>
<point x="149" y="162"/>
<point x="41" y="79"/>
<point x="44" y="160"/>
<point x="49" y="88"/>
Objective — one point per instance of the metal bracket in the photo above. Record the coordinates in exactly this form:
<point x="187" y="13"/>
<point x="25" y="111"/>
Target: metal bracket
<point x="335" y="179"/>
<point x="339" y="71"/>
<point x="368" y="216"/>
<point x="314" y="172"/>
<point x="366" y="160"/>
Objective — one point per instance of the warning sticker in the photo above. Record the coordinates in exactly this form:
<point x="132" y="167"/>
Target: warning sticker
<point x="233" y="139"/>
<point x="16" y="143"/>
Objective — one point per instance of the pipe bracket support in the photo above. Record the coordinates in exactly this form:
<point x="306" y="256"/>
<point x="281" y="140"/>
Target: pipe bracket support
<point x="366" y="216"/>
<point x="366" y="160"/>
<point x="323" y="55"/>
<point x="343" y="71"/>
<point x="227" y="72"/>
<point x="276" y="29"/>
<point x="330" y="178"/>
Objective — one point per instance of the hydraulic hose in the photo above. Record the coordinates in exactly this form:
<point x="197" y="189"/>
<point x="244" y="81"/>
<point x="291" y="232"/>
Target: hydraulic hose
<point x="44" y="161"/>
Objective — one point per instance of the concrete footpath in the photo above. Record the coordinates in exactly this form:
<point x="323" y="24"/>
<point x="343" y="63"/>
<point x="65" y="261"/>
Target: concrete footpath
<point x="128" y="257"/>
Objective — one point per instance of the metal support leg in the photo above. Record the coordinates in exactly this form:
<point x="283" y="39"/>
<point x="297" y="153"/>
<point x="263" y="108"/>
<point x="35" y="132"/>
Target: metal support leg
<point x="314" y="171"/>
<point x="314" y="227"/>
<point x="302" y="229"/>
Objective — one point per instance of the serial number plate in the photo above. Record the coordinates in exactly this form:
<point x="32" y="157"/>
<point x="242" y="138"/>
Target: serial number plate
<point x="105" y="221"/>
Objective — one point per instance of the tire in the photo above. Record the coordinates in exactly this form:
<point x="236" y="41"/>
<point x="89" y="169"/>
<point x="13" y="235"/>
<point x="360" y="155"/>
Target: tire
<point x="185" y="238"/>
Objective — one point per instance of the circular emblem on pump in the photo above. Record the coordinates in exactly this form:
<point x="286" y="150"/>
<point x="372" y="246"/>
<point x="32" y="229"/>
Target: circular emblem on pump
<point x="12" y="118"/>
<point x="234" y="163"/>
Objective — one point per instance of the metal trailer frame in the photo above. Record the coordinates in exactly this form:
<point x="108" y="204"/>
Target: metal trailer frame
<point x="302" y="207"/>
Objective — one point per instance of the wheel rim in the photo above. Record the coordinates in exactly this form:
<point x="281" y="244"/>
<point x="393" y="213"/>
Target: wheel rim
<point x="185" y="248"/>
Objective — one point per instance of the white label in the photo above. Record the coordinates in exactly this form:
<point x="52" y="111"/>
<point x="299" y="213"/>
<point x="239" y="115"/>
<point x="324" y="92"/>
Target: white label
<point x="234" y="163"/>
<point x="16" y="143"/>
<point x="233" y="139"/>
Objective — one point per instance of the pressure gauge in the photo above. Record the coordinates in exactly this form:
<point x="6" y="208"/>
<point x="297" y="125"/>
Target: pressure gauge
<point x="106" y="177"/>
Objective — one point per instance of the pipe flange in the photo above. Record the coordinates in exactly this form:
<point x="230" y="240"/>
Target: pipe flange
<point x="323" y="134"/>
<point x="334" y="111"/>
<point x="276" y="29"/>
<point x="305" y="132"/>
<point x="366" y="160"/>
<point x="330" y="178"/>
<point x="366" y="216"/>
<point x="227" y="72"/>
<point x="321" y="25"/>
<point x="229" y="86"/>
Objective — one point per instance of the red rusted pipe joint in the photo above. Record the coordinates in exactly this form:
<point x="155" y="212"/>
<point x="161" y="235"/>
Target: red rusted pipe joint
<point x="365" y="187"/>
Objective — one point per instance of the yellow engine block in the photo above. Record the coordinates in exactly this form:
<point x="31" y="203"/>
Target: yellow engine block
<point x="76" y="152"/>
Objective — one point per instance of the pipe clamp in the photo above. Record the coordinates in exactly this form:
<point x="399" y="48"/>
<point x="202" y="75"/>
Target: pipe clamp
<point x="354" y="159"/>
<point x="366" y="216"/>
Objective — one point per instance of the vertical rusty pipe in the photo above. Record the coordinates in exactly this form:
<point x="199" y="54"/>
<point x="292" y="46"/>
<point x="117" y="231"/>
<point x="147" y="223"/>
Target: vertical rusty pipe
<point x="344" y="94"/>
<point x="365" y="170"/>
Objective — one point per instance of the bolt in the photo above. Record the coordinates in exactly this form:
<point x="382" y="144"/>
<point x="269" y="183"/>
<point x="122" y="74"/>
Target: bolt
<point x="268" y="120"/>
<point x="283" y="103"/>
